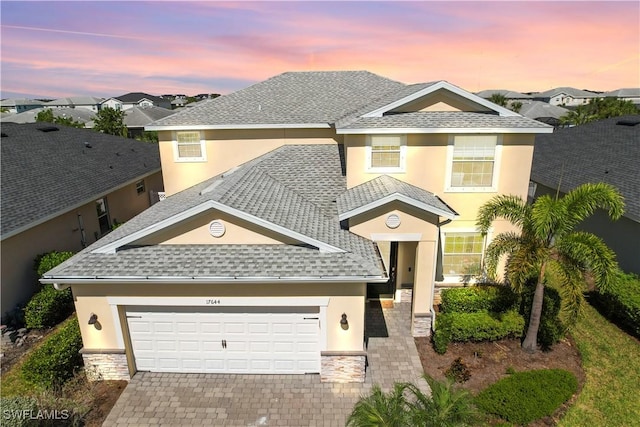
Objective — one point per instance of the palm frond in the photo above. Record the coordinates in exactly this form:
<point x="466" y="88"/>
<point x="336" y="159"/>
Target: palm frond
<point x="503" y="244"/>
<point x="582" y="202"/>
<point x="571" y="288"/>
<point x="511" y="208"/>
<point x="546" y="215"/>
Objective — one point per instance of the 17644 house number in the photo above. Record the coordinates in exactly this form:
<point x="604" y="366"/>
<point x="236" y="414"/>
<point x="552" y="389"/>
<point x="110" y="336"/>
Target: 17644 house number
<point x="213" y="301"/>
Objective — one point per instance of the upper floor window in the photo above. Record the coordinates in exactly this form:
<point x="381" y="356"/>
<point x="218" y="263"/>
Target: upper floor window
<point x="386" y="153"/>
<point x="473" y="163"/>
<point x="189" y="147"/>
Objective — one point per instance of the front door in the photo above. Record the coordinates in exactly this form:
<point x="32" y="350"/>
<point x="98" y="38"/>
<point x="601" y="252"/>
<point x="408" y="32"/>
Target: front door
<point x="388" y="289"/>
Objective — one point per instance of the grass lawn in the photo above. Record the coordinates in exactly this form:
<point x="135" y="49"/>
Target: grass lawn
<point x="611" y="361"/>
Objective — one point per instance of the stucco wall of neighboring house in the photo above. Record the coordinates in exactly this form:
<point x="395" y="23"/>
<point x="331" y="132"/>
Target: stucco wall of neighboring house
<point x="345" y="298"/>
<point x="62" y="233"/>
<point x="226" y="149"/>
<point x="196" y="231"/>
<point x="622" y="236"/>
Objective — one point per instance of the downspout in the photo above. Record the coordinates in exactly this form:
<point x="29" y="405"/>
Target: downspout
<point x="61" y="287"/>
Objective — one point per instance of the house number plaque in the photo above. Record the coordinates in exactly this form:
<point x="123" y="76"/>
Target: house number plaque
<point x="212" y="301"/>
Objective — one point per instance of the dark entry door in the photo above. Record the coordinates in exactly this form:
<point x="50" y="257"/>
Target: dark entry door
<point x="388" y="289"/>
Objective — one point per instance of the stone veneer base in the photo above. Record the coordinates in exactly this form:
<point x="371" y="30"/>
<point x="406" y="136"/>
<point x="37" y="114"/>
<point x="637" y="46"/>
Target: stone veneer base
<point x="336" y="367"/>
<point x="421" y="325"/>
<point x="107" y="365"/>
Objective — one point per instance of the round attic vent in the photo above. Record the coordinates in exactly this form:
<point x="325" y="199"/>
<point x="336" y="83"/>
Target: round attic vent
<point x="217" y="228"/>
<point x="393" y="221"/>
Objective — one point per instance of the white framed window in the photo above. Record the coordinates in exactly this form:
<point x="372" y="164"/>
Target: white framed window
<point x="462" y="253"/>
<point x="189" y="147"/>
<point x="140" y="187"/>
<point x="473" y="162"/>
<point x="386" y="153"/>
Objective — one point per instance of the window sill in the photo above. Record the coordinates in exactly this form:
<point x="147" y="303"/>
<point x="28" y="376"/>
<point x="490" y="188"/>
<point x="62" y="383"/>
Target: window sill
<point x="470" y="190"/>
<point x="190" y="160"/>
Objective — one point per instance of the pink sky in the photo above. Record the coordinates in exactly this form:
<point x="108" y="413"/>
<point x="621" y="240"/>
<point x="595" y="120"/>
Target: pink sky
<point x="56" y="49"/>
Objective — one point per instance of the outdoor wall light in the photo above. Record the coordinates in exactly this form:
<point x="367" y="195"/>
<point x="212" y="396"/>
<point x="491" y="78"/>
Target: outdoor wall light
<point x="344" y="323"/>
<point x="93" y="318"/>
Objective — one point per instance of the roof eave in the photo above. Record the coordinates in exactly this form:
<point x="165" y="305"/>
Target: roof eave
<point x="71" y="280"/>
<point x="396" y="197"/>
<point x="362" y="131"/>
<point x="240" y="126"/>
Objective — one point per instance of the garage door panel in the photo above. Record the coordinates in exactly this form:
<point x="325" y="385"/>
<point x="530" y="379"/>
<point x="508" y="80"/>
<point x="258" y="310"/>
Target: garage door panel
<point x="166" y="339"/>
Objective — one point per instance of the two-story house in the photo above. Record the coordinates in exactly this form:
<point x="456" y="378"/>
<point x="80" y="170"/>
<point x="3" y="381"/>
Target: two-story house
<point x="566" y="96"/>
<point x="290" y="203"/>
<point x="135" y="99"/>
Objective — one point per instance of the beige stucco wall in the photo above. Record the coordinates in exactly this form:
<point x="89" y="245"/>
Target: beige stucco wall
<point x="227" y="149"/>
<point x="196" y="231"/>
<point x="18" y="278"/>
<point x="348" y="298"/>
<point x="406" y="263"/>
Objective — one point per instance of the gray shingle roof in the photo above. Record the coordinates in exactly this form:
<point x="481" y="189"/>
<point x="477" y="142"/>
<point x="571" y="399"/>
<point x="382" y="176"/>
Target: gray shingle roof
<point x="444" y="119"/>
<point x="75" y="100"/>
<point x="629" y="92"/>
<point x="81" y="115"/>
<point x="281" y="187"/>
<point x="290" y="98"/>
<point x="141" y="116"/>
<point x="135" y="97"/>
<point x="601" y="151"/>
<point x="509" y="94"/>
<point x="573" y="92"/>
<point x="538" y="109"/>
<point x="384" y="186"/>
<point x="46" y="173"/>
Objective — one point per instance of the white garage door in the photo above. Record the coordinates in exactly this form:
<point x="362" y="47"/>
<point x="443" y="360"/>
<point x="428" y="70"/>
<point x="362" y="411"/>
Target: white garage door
<point x="268" y="340"/>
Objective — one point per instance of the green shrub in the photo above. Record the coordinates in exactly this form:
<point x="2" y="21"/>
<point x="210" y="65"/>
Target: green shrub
<point x="57" y="359"/>
<point x="48" y="307"/>
<point x="495" y="298"/>
<point x="551" y="329"/>
<point x="13" y="411"/>
<point x="479" y="326"/>
<point x="526" y="396"/>
<point x="45" y="262"/>
<point x="621" y="303"/>
<point x="458" y="371"/>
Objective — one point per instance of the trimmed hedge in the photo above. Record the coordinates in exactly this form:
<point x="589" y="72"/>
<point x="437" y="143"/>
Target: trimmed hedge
<point x="528" y="396"/>
<point x="57" y="359"/>
<point x="551" y="329"/>
<point x="45" y="262"/>
<point x="621" y="303"/>
<point x="494" y="298"/>
<point x="479" y="326"/>
<point x="13" y="411"/>
<point x="48" y="307"/>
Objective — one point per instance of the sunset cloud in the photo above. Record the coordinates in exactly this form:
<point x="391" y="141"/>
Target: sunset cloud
<point x="53" y="49"/>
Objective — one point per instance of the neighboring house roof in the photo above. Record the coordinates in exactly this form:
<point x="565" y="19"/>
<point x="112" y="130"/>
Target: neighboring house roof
<point x="630" y="92"/>
<point x="509" y="94"/>
<point x="442" y="121"/>
<point x="138" y="117"/>
<point x="539" y="109"/>
<point x="305" y="98"/>
<point x="78" y="114"/>
<point x="573" y="92"/>
<point x="290" y="191"/>
<point x="47" y="172"/>
<point x="135" y="97"/>
<point x="75" y="100"/>
<point x="385" y="189"/>
<point x="602" y="151"/>
<point x="14" y="102"/>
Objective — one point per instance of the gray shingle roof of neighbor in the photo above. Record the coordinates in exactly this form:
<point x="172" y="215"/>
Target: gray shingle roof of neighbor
<point x="601" y="151"/>
<point x="629" y="92"/>
<point x="290" y="98"/>
<point x="282" y="187"/>
<point x="443" y="119"/>
<point x="575" y="93"/>
<point x="384" y="186"/>
<point x="48" y="173"/>
<point x="537" y="109"/>
<point x="76" y="100"/>
<point x="12" y="102"/>
<point x="81" y="115"/>
<point x="509" y="94"/>
<point x="142" y="116"/>
<point x="137" y="97"/>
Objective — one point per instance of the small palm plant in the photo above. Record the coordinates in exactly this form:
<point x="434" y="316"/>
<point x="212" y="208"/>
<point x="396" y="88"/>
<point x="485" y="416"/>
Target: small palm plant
<point x="380" y="409"/>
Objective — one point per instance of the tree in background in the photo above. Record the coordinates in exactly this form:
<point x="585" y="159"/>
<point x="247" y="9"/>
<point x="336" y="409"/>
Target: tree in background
<point x="598" y="109"/>
<point x="111" y="121"/>
<point x="515" y="106"/>
<point x="47" y="116"/>
<point x="148" y="136"/>
<point x="499" y="99"/>
<point x="548" y="244"/>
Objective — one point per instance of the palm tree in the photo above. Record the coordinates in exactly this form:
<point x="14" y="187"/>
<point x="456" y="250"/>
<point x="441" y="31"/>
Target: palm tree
<point x="380" y="409"/>
<point x="499" y="99"/>
<point x="548" y="242"/>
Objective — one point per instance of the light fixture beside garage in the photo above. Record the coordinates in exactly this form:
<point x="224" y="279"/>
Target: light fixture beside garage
<point x="93" y="318"/>
<point x="217" y="228"/>
<point x="393" y="221"/>
<point x="344" y="323"/>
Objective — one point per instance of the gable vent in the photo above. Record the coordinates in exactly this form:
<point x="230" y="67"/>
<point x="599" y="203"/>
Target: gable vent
<point x="47" y="129"/>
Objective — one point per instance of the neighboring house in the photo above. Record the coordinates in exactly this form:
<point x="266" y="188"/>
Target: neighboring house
<point x="63" y="188"/>
<point x="90" y="103"/>
<point x="602" y="151"/>
<point x="627" y="94"/>
<point x="81" y="115"/>
<point x="137" y="118"/>
<point x="566" y="96"/>
<point x="508" y="94"/>
<point x="20" y="105"/>
<point x="292" y="202"/>
<point x="136" y="99"/>
<point x="178" y="102"/>
<point x="543" y="112"/>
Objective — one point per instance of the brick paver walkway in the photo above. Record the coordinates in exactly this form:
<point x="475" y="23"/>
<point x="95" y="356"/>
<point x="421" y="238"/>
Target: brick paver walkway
<point x="271" y="400"/>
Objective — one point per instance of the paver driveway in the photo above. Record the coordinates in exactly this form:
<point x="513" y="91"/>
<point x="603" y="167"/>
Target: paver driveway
<point x="271" y="400"/>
